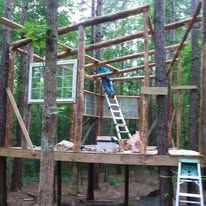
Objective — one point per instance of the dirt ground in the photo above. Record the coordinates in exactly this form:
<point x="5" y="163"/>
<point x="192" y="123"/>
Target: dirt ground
<point x="139" y="186"/>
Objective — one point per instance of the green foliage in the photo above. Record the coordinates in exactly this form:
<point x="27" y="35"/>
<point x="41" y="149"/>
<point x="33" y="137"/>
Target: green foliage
<point x="36" y="33"/>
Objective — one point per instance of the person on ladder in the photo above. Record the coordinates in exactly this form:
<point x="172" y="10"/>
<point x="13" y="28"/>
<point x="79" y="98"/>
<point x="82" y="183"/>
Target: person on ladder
<point x="106" y="81"/>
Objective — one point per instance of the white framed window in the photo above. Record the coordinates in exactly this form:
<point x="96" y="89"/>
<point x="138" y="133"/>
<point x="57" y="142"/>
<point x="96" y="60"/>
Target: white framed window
<point x="66" y="82"/>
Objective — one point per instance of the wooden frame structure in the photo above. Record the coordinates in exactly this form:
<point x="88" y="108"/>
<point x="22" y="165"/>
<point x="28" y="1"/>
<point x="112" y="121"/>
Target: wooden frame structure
<point x="131" y="159"/>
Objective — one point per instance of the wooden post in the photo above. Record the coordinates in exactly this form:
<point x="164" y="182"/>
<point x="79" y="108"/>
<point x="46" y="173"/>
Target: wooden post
<point x="179" y="104"/>
<point x="126" y="186"/>
<point x="80" y="91"/>
<point x="144" y="126"/>
<point x="170" y="109"/>
<point x="8" y="134"/>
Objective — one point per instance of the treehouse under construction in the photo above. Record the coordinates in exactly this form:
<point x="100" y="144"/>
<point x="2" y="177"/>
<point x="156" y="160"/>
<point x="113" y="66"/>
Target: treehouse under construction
<point x="90" y="103"/>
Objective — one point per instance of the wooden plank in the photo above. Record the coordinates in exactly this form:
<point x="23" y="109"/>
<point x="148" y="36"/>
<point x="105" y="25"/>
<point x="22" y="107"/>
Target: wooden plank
<point x="129" y="37"/>
<point x="179" y="102"/>
<point x="126" y="57"/>
<point x="145" y="108"/>
<point x="154" y="90"/>
<point x="184" y="87"/>
<point x="10" y="23"/>
<point x="80" y="91"/>
<point x="131" y="78"/>
<point x="87" y="57"/>
<point x="20" y="120"/>
<point x="104" y="18"/>
<point x="136" y="68"/>
<point x="104" y="158"/>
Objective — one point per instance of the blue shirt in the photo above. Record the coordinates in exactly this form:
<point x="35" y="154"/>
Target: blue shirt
<point x="102" y="69"/>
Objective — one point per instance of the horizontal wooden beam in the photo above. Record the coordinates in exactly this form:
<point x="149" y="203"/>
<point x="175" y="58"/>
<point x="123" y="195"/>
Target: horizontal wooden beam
<point x="104" y="158"/>
<point x="131" y="78"/>
<point x="141" y="67"/>
<point x="184" y="87"/>
<point x="154" y="90"/>
<point x="10" y="24"/>
<point x="87" y="57"/>
<point x="104" y="18"/>
<point x="24" y="52"/>
<point x="140" y="34"/>
<point x="126" y="57"/>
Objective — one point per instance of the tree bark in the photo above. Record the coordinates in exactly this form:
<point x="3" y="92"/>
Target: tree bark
<point x="202" y="131"/>
<point x="195" y="78"/>
<point x="4" y="71"/>
<point x="23" y="104"/>
<point x="162" y="102"/>
<point x="98" y="38"/>
<point x="47" y="167"/>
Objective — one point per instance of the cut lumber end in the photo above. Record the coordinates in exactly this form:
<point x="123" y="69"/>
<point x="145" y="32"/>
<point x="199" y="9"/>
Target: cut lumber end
<point x="154" y="90"/>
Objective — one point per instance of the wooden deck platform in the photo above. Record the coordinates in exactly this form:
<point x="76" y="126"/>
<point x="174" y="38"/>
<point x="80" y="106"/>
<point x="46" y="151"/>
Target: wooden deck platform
<point x="104" y="158"/>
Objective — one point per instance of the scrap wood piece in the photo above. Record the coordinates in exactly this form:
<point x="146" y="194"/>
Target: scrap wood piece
<point x="20" y="120"/>
<point x="154" y="90"/>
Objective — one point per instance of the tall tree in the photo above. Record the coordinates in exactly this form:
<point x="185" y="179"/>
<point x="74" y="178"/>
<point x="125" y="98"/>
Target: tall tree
<point x="194" y="75"/>
<point x="22" y="85"/>
<point x="162" y="101"/>
<point x="4" y="71"/>
<point x="203" y="88"/>
<point x="48" y="139"/>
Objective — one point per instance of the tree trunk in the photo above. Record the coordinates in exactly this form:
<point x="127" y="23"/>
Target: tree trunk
<point x="4" y="71"/>
<point x="48" y="139"/>
<point x="195" y="75"/>
<point x="98" y="38"/>
<point x="202" y="131"/>
<point x="162" y="102"/>
<point x="22" y="96"/>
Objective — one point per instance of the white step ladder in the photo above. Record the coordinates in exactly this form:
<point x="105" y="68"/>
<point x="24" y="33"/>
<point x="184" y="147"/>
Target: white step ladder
<point x="118" y="118"/>
<point x="189" y="172"/>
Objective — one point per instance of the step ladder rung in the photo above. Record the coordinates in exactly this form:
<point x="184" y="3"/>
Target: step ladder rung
<point x="115" y="111"/>
<point x="123" y="132"/>
<point x="189" y="177"/>
<point x="114" y="104"/>
<point x="119" y="118"/>
<point x="121" y="125"/>
<point x="192" y="202"/>
<point x="184" y="194"/>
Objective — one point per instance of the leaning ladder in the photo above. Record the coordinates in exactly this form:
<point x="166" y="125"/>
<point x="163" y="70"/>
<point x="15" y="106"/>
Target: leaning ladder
<point x="118" y="118"/>
<point x="189" y="172"/>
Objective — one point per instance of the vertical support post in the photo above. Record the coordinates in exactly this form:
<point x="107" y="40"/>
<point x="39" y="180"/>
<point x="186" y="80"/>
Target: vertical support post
<point x="144" y="125"/>
<point x="59" y="182"/>
<point x="72" y="123"/>
<point x="126" y="186"/>
<point x="170" y="110"/>
<point x="26" y="117"/>
<point x="179" y="104"/>
<point x="100" y="110"/>
<point x="80" y="90"/>
<point x="8" y="135"/>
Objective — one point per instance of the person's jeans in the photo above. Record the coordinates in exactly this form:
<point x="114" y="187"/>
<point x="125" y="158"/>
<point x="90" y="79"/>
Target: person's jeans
<point x="107" y="85"/>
